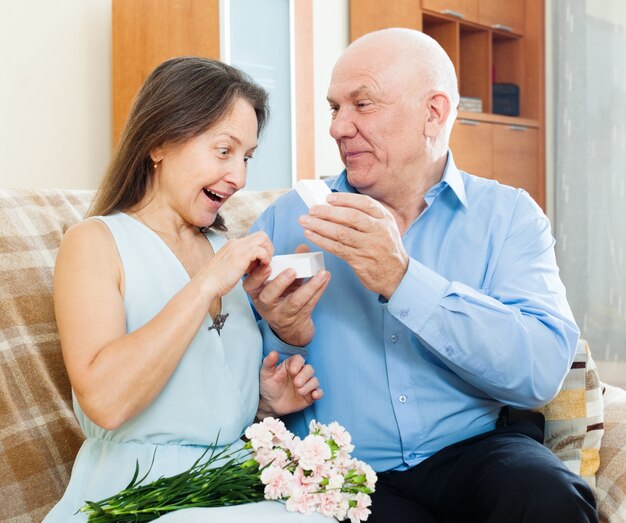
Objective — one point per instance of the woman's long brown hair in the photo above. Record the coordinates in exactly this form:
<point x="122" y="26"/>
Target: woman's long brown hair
<point x="180" y="99"/>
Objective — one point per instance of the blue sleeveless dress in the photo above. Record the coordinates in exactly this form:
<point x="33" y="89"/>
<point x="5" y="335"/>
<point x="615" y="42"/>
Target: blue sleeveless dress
<point x="214" y="389"/>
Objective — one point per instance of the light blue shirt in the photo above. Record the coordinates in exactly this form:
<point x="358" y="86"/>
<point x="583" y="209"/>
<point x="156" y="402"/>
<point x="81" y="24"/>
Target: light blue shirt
<point x="479" y="320"/>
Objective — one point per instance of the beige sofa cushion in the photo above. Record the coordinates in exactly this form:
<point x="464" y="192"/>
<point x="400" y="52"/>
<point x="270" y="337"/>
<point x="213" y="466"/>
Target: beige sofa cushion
<point x="575" y="419"/>
<point x="39" y="435"/>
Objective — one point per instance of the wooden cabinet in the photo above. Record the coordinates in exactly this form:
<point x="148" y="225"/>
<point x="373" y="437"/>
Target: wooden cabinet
<point x="463" y="9"/>
<point x="507" y="153"/>
<point x="502" y="15"/>
<point x="516" y="157"/>
<point x="471" y="143"/>
<point x="488" y="41"/>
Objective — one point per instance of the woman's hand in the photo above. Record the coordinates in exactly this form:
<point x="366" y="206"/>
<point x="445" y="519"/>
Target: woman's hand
<point x="233" y="260"/>
<point x="288" y="387"/>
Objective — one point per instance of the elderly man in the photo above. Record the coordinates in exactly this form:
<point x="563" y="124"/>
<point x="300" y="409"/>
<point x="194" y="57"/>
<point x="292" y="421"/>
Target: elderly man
<point x="444" y="307"/>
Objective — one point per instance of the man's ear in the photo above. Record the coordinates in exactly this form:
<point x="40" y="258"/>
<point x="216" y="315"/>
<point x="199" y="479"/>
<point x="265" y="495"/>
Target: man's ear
<point x="438" y="107"/>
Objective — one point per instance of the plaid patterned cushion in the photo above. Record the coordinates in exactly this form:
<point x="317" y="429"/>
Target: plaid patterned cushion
<point x="574" y="418"/>
<point x="39" y="436"/>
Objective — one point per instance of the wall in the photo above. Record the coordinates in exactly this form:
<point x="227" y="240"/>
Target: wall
<point x="55" y="92"/>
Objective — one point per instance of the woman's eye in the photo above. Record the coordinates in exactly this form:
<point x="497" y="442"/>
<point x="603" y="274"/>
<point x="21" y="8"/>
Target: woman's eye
<point x="222" y="151"/>
<point x="247" y="157"/>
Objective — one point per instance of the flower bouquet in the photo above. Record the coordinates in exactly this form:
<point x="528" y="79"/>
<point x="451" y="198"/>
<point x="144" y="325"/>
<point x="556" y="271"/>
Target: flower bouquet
<point x="312" y="474"/>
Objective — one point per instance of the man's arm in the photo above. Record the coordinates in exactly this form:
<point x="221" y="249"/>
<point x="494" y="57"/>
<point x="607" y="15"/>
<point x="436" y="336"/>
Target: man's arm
<point x="514" y="339"/>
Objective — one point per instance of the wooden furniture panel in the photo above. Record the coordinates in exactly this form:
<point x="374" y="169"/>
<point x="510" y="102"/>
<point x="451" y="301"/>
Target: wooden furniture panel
<point x="303" y="63"/>
<point x="471" y="145"/>
<point x="516" y="158"/>
<point x="446" y="32"/>
<point x="502" y="15"/>
<point x="147" y="32"/>
<point x="367" y="16"/>
<point x="463" y="9"/>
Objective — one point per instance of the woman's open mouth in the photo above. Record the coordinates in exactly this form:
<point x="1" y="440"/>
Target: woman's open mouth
<point x="213" y="195"/>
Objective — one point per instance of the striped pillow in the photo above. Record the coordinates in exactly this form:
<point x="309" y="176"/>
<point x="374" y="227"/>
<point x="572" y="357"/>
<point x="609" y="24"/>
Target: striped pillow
<point x="575" y="417"/>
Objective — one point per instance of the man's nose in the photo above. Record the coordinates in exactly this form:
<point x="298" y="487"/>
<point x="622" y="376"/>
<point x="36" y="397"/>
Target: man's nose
<point x="342" y="124"/>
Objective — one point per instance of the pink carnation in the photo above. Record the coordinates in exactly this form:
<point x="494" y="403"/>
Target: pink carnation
<point x="300" y="501"/>
<point x="277" y="482"/>
<point x="361" y="512"/>
<point x="312" y="452"/>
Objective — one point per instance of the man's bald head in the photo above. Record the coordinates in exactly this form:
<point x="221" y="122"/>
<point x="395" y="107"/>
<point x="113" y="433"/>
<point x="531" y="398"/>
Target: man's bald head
<point x="410" y="54"/>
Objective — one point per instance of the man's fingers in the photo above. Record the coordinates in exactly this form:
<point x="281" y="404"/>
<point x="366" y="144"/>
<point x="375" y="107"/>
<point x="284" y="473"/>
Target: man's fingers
<point x="302" y="248"/>
<point x="308" y="386"/>
<point x="255" y="280"/>
<point x="308" y="294"/>
<point x="272" y="292"/>
<point x="294" y="364"/>
<point x="270" y="361"/>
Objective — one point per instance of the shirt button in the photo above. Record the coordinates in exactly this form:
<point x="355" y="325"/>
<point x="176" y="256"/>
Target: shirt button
<point x="404" y="314"/>
<point x="393" y="338"/>
<point x="402" y="398"/>
<point x="412" y="455"/>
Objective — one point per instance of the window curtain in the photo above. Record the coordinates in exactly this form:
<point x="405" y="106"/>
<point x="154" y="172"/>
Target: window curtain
<point x="589" y="100"/>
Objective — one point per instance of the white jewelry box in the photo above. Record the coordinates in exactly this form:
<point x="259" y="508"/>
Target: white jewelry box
<point x="313" y="192"/>
<point x="305" y="264"/>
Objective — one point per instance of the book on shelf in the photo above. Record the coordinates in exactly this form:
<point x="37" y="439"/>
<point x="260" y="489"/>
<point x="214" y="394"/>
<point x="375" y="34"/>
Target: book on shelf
<point x="468" y="103"/>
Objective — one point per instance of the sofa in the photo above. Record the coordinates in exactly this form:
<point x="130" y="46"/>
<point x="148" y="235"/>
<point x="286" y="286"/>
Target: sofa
<point x="39" y="435"/>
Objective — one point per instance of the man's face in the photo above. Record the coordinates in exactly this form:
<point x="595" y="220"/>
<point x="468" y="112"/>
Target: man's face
<point x="377" y="121"/>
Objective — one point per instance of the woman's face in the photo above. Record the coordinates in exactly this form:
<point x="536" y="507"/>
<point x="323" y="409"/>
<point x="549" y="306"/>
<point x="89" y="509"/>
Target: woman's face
<point x="196" y="177"/>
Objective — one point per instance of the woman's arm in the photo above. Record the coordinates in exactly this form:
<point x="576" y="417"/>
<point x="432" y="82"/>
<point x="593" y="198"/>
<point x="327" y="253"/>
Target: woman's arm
<point x="115" y="375"/>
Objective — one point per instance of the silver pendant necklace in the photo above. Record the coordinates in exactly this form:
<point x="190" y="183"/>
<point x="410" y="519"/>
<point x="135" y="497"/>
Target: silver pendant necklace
<point x="218" y="323"/>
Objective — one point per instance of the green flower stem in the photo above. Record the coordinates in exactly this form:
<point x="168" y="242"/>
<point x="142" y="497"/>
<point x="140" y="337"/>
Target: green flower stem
<point x="204" y="484"/>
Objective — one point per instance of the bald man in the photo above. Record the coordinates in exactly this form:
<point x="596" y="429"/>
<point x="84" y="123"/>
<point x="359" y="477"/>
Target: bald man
<point x="444" y="307"/>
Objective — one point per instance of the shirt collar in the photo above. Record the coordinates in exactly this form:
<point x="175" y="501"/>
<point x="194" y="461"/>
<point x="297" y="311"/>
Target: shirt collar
<point x="451" y="178"/>
<point x="341" y="184"/>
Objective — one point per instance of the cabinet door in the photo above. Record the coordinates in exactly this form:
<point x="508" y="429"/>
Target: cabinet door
<point x="465" y="9"/>
<point x="471" y="145"/>
<point x="508" y="16"/>
<point x="516" y="158"/>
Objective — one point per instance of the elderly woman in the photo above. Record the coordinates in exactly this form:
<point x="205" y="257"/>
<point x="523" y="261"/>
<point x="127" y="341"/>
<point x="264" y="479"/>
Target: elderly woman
<point x="161" y="345"/>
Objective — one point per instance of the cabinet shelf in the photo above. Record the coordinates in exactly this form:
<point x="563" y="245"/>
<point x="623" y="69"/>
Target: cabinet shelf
<point x="498" y="118"/>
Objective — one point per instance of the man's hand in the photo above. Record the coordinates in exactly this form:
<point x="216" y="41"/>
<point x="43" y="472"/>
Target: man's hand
<point x="364" y="234"/>
<point x="286" y="303"/>
<point x="286" y="388"/>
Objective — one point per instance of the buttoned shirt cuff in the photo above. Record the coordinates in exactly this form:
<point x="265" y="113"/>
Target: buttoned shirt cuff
<point x="272" y="342"/>
<point x="416" y="298"/>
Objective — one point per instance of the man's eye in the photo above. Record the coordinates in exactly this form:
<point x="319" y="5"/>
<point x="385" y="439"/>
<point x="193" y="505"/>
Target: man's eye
<point x="333" y="110"/>
<point x="247" y="157"/>
<point x="361" y="105"/>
